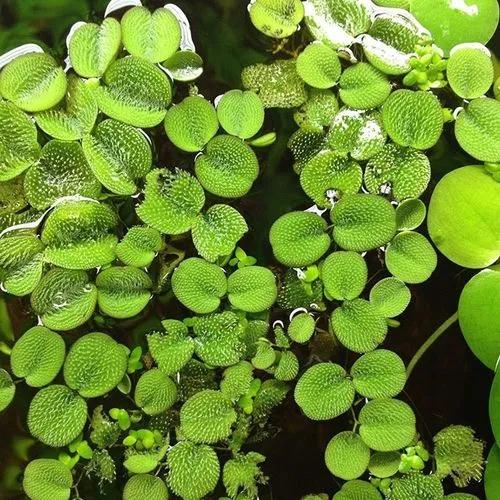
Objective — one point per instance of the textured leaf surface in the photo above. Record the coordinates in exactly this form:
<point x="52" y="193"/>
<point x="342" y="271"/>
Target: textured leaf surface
<point x="7" y="389"/>
<point x="344" y="275"/>
<point x="139" y="246"/>
<point x="252" y="289"/>
<point x="357" y="489"/>
<point x="155" y="392"/>
<point x="278" y="19"/>
<point x="347" y="456"/>
<point x="410" y="214"/>
<point x="390" y="297"/>
<point x="417" y="485"/>
<point x="319" y="66"/>
<point x="46" y="478"/>
<point x="317" y="112"/>
<point x="301" y="328"/>
<point x="145" y="486"/>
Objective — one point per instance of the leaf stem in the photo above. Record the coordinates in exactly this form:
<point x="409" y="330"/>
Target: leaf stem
<point x="428" y="343"/>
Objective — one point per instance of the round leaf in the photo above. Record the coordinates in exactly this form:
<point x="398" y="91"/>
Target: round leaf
<point x="155" y="392"/>
<point x="347" y="456"/>
<point x="47" y="478"/>
<point x="319" y="66"/>
<point x="7" y="389"/>
<point x="390" y="297"/>
<point x="344" y="275"/>
<point x="277" y="19"/>
<point x="410" y="214"/>
<point x="139" y="246"/>
<point x="145" y="486"/>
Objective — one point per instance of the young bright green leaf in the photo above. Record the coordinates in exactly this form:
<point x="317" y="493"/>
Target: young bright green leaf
<point x="305" y="144"/>
<point x="64" y="299"/>
<point x="139" y="246"/>
<point x="184" y="66"/>
<point x="477" y="129"/>
<point x="242" y="473"/>
<point x="75" y="116"/>
<point x="299" y="238"/>
<point x="236" y="380"/>
<point x="379" y="374"/>
<point x="363" y="86"/>
<point x="252" y="289"/>
<point x="145" y="486"/>
<point x="191" y="123"/>
<point x="21" y="263"/>
<point x="324" y="391"/>
<point x="357" y="489"/>
<point x="262" y="78"/>
<point x="7" y="389"/>
<point x="287" y="367"/>
<point x="301" y="328"/>
<point x="153" y="36"/>
<point x="33" y="82"/>
<point x="363" y="222"/>
<point x="93" y="47"/>
<point x="358" y="325"/>
<point x="134" y="91"/>
<point x="199" y="285"/>
<point x="390" y="297"/>
<point x="207" y="417"/>
<point x="410" y="214"/>
<point x="62" y="170"/>
<point x="384" y="463"/>
<point x="193" y="470"/>
<point x="47" y="478"/>
<point x="410" y="257"/>
<point x="19" y="148"/>
<point x="327" y="174"/>
<point x="344" y="275"/>
<point x="265" y="355"/>
<point x="387" y="424"/>
<point x="228" y="167"/>
<point x="241" y="113"/>
<point x="347" y="456"/>
<point x="413" y="118"/>
<point x="492" y="472"/>
<point x="405" y="171"/>
<point x="463" y="217"/>
<point x="123" y="292"/>
<point x="57" y="415"/>
<point x="276" y="18"/>
<point x="494" y="406"/>
<point x="37" y="356"/>
<point x="470" y="70"/>
<point x="172" y="201"/>
<point x="317" y="112"/>
<point x="417" y="485"/>
<point x="95" y="365"/>
<point x="479" y="322"/>
<point x="155" y="392"/>
<point x="319" y="66"/>
<point x="78" y="235"/>
<point x="216" y="233"/>
<point x="119" y="155"/>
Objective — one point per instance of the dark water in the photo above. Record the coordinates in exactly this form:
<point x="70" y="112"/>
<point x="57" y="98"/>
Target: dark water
<point x="448" y="386"/>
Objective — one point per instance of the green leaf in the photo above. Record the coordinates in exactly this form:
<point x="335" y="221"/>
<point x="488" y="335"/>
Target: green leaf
<point x="410" y="214"/>
<point x="61" y="171"/>
<point x="418" y="485"/>
<point x="37" y="356"/>
<point x="287" y="368"/>
<point x="78" y="235"/>
<point x="492" y="473"/>
<point x="387" y="424"/>
<point x="344" y="275"/>
<point x="477" y="129"/>
<point x="12" y="197"/>
<point x="95" y="365"/>
<point x="384" y="463"/>
<point x="134" y="91"/>
<point x="216" y="233"/>
<point x="324" y="391"/>
<point x="405" y="171"/>
<point x="123" y="292"/>
<point x="363" y="86"/>
<point x="19" y="147"/>
<point x="347" y="456"/>
<point x="363" y="222"/>
<point x="379" y="374"/>
<point x="305" y="144"/>
<point x="228" y="167"/>
<point x="21" y="263"/>
<point x="155" y="392"/>
<point x="145" y="486"/>
<point x="171" y="349"/>
<point x="33" y="82"/>
<point x="119" y="155"/>
<point x="358" y="325"/>
<point x="327" y="174"/>
<point x="262" y="78"/>
<point x="207" y="417"/>
<point x="184" y="66"/>
<point x="299" y="238"/>
<point x="317" y="112"/>
<point x="68" y="414"/>
<point x="410" y="257"/>
<point x="494" y="406"/>
<point x="271" y="394"/>
<point x="7" y="389"/>
<point x="276" y="18"/>
<point x="241" y="113"/>
<point x="193" y="470"/>
<point x="413" y="118"/>
<point x="252" y="289"/>
<point x="319" y="66"/>
<point x="390" y="297"/>
<point x="241" y="473"/>
<point x="139" y="246"/>
<point x="153" y="36"/>
<point x="195" y="376"/>
<point x="236" y="380"/>
<point x="357" y="490"/>
<point x="64" y="299"/>
<point x="199" y="285"/>
<point x="46" y="478"/>
<point x="301" y="328"/>
<point x="75" y="116"/>
<point x="172" y="201"/>
<point x="93" y="47"/>
<point x="463" y="217"/>
<point x="191" y="124"/>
